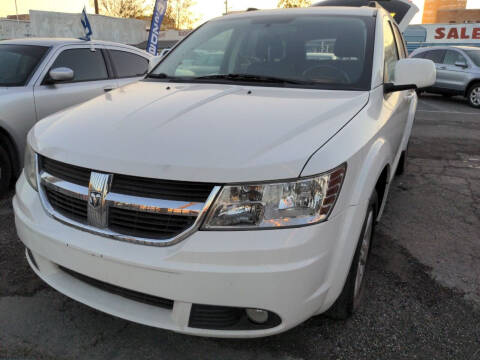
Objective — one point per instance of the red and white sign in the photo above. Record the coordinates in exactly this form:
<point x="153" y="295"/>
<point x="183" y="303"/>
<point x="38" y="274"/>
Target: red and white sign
<point x="454" y="33"/>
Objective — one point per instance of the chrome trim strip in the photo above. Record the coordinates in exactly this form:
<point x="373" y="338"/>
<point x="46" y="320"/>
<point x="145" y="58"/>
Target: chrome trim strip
<point x="62" y="186"/>
<point x="151" y="205"/>
<point x="124" y="201"/>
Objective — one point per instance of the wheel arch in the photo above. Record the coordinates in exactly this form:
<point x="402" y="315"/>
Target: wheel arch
<point x="11" y="147"/>
<point x="467" y="89"/>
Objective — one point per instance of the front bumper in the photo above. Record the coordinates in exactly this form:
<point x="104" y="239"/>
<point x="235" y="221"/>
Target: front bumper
<point x="294" y="273"/>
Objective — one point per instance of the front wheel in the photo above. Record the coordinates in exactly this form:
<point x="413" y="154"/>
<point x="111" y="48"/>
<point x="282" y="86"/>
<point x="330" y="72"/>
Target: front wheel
<point x="351" y="297"/>
<point x="473" y="95"/>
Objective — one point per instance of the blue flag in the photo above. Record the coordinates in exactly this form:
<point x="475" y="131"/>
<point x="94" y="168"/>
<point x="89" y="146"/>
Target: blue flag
<point x="86" y="25"/>
<point x="158" y="15"/>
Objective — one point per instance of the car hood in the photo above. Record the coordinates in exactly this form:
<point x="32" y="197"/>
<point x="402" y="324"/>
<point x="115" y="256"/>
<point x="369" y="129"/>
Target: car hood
<point x="201" y="132"/>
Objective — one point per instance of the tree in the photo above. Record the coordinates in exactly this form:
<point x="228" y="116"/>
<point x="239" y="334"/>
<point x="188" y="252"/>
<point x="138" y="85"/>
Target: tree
<point x="293" y="3"/>
<point x="179" y="15"/>
<point x="122" y="8"/>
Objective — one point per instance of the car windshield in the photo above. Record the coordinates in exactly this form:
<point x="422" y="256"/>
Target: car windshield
<point x="475" y="56"/>
<point x="326" y="52"/>
<point x="18" y="62"/>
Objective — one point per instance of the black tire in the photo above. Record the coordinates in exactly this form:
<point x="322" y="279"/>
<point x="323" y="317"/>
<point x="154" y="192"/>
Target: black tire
<point x="402" y="164"/>
<point x="351" y="297"/>
<point x="6" y="172"/>
<point x="473" y="95"/>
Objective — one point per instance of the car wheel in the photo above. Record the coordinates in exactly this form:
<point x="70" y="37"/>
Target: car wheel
<point x="473" y="95"/>
<point x="5" y="171"/>
<point x="350" y="299"/>
<point x="402" y="164"/>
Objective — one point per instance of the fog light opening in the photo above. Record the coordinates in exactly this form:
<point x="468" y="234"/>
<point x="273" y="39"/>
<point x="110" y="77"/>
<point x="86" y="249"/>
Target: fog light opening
<point x="257" y="316"/>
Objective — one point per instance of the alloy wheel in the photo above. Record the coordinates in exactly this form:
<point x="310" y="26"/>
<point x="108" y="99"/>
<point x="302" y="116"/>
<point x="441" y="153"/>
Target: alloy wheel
<point x="364" y="251"/>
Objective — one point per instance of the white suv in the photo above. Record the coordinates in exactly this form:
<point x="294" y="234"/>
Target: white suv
<point x="233" y="192"/>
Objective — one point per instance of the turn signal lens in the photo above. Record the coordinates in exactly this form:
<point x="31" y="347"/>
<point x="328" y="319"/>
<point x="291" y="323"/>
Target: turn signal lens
<point x="30" y="167"/>
<point x="282" y="204"/>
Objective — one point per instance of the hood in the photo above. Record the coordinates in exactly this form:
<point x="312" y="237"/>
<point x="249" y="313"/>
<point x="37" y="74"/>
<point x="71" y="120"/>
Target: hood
<point x="202" y="132"/>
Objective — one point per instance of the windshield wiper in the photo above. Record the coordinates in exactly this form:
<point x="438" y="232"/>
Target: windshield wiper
<point x="159" y="76"/>
<point x="253" y="78"/>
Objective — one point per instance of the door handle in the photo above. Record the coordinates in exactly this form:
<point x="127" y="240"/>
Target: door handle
<point x="442" y="67"/>
<point x="108" y="89"/>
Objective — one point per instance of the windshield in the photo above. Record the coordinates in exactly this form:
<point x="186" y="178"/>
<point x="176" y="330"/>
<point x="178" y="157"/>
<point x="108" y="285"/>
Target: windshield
<point x="327" y="52"/>
<point x="475" y="56"/>
<point x="18" y="62"/>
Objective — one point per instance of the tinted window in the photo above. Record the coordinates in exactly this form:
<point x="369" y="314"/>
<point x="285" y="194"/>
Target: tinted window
<point x="333" y="52"/>
<point x="128" y="64"/>
<point x="391" y="53"/>
<point x="474" y="56"/>
<point x="452" y="57"/>
<point x="86" y="64"/>
<point x="17" y="63"/>
<point x="435" y="55"/>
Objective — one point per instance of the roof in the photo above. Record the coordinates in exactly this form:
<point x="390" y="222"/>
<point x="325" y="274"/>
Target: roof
<point x="323" y="10"/>
<point x="162" y="44"/>
<point x="58" y="41"/>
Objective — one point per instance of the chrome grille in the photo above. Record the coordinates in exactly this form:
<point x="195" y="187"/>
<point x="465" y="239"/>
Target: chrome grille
<point x="139" y="210"/>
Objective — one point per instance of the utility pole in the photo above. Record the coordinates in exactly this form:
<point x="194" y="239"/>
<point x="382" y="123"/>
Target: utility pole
<point x="16" y="10"/>
<point x="226" y="7"/>
<point x="96" y="6"/>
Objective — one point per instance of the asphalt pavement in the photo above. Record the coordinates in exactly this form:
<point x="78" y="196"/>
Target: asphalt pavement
<point x="423" y="285"/>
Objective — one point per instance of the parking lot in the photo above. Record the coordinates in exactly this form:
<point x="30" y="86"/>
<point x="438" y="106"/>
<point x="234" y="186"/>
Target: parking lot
<point x="423" y="286"/>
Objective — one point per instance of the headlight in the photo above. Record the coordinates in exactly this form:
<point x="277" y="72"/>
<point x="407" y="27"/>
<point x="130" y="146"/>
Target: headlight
<point x="30" y="167"/>
<point x="283" y="204"/>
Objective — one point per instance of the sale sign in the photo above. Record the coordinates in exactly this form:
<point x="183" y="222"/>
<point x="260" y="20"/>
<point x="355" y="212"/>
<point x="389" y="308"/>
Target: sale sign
<point x="454" y="33"/>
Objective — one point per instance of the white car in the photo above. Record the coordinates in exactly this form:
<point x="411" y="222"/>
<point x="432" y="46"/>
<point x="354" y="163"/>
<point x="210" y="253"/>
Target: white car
<point x="235" y="204"/>
<point x="39" y="77"/>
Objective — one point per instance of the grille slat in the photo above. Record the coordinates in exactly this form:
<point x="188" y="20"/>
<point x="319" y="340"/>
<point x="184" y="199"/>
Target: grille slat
<point x="143" y="224"/>
<point x="161" y="189"/>
<point x="124" y="221"/>
<point x="126" y="293"/>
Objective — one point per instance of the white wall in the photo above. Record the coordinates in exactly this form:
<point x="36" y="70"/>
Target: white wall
<point x="55" y="24"/>
<point x="11" y="29"/>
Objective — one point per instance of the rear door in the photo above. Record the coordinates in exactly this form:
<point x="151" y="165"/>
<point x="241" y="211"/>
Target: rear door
<point x="454" y="71"/>
<point x="92" y="78"/>
<point x="128" y="66"/>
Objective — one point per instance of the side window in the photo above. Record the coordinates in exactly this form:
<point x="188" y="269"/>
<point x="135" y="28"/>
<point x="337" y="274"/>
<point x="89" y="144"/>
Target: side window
<point x="452" y="57"/>
<point x="390" y="53"/>
<point x="128" y="64"/>
<point x="419" y="56"/>
<point x="86" y="64"/>
<point x="435" y="55"/>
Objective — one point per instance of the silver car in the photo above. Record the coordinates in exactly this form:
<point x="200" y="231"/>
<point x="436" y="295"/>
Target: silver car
<point x="39" y="77"/>
<point x="458" y="70"/>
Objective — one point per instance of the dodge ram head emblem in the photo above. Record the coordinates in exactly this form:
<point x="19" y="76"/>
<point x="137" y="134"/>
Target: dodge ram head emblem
<point x="97" y="209"/>
<point x="95" y="199"/>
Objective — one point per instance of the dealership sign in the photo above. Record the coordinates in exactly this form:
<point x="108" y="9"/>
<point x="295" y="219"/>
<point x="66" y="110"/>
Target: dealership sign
<point x="453" y="33"/>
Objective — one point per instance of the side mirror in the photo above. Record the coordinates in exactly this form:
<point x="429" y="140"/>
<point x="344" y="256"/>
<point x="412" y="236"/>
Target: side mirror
<point x="412" y="74"/>
<point x="461" y="64"/>
<point x="61" y="74"/>
<point x="154" y="61"/>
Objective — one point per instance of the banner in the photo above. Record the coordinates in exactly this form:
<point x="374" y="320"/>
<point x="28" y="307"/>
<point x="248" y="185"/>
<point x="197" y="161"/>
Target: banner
<point x="158" y="15"/>
<point x="86" y="25"/>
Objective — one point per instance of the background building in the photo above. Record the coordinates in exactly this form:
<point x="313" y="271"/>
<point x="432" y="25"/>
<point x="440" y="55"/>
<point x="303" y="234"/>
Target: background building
<point x="432" y="7"/>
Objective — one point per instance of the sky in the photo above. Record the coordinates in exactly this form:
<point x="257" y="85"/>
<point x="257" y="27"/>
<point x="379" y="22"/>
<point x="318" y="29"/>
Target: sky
<point x="205" y="9"/>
